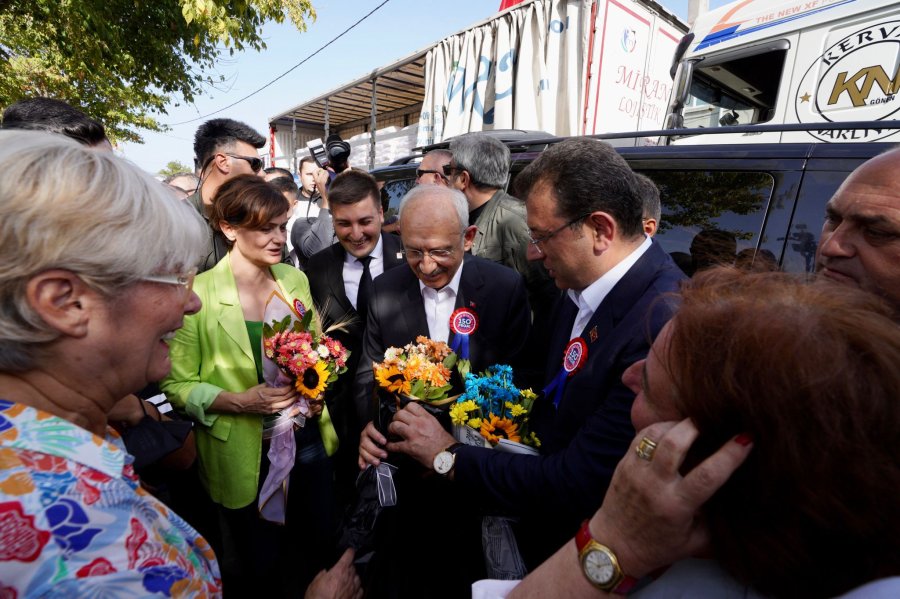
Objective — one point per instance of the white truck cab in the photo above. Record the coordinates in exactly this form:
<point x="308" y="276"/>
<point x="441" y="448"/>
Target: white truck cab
<point x="790" y="61"/>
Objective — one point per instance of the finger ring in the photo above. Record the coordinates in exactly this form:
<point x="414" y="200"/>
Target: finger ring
<point x="646" y="448"/>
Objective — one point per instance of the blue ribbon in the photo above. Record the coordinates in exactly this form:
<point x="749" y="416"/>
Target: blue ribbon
<point x="460" y="345"/>
<point x="555" y="389"/>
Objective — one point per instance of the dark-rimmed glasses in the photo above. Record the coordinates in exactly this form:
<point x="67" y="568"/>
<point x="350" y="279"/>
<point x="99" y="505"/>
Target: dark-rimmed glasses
<point x="537" y="241"/>
<point x="421" y="172"/>
<point x="255" y="162"/>
<point x="449" y="169"/>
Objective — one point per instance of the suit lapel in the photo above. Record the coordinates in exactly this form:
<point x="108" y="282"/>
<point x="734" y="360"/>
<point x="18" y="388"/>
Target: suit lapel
<point x="335" y="276"/>
<point x="390" y="248"/>
<point x="414" y="311"/>
<point x="229" y="314"/>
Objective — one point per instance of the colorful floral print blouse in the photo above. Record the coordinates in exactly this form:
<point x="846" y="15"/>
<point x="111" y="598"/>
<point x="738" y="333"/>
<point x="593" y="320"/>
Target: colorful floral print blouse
<point x="75" y="522"/>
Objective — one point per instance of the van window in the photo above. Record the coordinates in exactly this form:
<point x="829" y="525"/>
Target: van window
<point x="395" y="190"/>
<point x="713" y="217"/>
<point x="809" y="216"/>
<point x="736" y="91"/>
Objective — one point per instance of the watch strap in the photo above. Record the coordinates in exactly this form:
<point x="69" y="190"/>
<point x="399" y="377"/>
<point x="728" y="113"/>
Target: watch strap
<point x="583" y="540"/>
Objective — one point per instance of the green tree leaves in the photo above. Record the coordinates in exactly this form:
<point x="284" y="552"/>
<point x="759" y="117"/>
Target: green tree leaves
<point x="121" y="61"/>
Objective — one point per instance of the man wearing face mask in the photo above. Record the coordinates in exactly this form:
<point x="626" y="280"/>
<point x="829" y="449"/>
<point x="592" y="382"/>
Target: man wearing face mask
<point x="407" y="302"/>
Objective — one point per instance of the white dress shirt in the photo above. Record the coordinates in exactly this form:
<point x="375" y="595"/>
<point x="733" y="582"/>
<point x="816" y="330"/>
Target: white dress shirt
<point x="353" y="270"/>
<point x="589" y="299"/>
<point x="439" y="305"/>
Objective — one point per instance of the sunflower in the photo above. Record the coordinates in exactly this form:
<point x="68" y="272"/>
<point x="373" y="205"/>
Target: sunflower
<point x="312" y="384"/>
<point x="495" y="428"/>
<point x="391" y="378"/>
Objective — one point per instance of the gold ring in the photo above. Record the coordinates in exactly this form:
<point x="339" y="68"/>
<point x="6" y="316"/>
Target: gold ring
<point x="646" y="448"/>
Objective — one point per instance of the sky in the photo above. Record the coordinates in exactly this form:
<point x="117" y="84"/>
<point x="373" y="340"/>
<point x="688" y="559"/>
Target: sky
<point x="394" y="31"/>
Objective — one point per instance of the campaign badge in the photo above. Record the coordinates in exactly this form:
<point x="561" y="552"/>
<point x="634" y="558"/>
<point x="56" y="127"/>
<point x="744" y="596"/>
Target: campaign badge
<point x="463" y="321"/>
<point x="575" y="356"/>
<point x="299" y="308"/>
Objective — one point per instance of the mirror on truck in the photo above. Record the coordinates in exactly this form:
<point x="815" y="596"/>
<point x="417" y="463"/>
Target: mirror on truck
<point x="680" y="49"/>
<point x="680" y="88"/>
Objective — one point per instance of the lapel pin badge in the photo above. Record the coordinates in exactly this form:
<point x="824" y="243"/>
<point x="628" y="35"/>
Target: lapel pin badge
<point x="593" y="334"/>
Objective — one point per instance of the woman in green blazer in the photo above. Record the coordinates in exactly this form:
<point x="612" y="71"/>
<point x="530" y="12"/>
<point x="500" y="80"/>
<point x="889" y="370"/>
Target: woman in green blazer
<point x="216" y="379"/>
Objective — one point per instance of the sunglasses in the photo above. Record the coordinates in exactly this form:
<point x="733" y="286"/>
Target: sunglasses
<point x="421" y="172"/>
<point x="255" y="163"/>
<point x="449" y="169"/>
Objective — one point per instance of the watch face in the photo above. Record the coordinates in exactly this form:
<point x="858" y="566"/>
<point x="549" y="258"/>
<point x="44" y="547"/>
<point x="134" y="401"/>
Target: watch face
<point x="598" y="567"/>
<point x="443" y="462"/>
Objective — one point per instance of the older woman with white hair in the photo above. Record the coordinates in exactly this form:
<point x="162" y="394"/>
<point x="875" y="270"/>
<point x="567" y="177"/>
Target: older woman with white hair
<point x="95" y="277"/>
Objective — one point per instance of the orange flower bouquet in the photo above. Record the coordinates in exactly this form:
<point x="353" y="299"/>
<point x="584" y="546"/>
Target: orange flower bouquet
<point x="424" y="371"/>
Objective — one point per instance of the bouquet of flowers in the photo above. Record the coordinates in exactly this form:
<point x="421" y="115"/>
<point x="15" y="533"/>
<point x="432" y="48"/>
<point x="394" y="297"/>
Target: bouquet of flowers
<point x="424" y="371"/>
<point x="494" y="407"/>
<point x="294" y="352"/>
<point x="315" y="362"/>
<point x="420" y="370"/>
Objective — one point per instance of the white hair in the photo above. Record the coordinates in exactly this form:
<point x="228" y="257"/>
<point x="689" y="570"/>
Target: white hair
<point x="66" y="206"/>
<point x="455" y="196"/>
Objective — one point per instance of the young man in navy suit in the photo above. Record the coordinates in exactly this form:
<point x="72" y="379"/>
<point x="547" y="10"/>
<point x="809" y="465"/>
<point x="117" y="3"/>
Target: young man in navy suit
<point x="584" y="212"/>
<point x="336" y="280"/>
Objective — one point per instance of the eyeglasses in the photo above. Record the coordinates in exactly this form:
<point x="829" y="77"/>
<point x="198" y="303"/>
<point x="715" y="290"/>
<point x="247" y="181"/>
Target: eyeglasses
<point x="421" y="172"/>
<point x="184" y="280"/>
<point x="449" y="169"/>
<point x="537" y="241"/>
<point x="436" y="255"/>
<point x="255" y="163"/>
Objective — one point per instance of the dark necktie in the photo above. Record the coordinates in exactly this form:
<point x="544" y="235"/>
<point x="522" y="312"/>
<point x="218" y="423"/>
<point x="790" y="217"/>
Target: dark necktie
<point x="365" y="289"/>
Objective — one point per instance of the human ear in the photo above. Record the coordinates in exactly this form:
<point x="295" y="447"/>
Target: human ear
<point x="603" y="230"/>
<point x="62" y="300"/>
<point x="229" y="231"/>
<point x="469" y="237"/>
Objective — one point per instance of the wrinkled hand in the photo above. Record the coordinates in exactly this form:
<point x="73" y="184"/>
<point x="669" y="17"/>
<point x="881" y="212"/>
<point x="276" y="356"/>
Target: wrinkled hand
<point x="371" y="447"/>
<point x="649" y="516"/>
<point x="340" y="582"/>
<point x="422" y="436"/>
<point x="263" y="399"/>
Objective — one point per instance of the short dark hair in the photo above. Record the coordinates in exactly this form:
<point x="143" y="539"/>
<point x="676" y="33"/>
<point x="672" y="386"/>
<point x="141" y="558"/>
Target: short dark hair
<point x="281" y="172"/>
<point x="54" y="116"/>
<point x="587" y="175"/>
<point x="304" y="160"/>
<point x="810" y="372"/>
<point x="248" y="202"/>
<point x="217" y="134"/>
<point x="283" y="184"/>
<point x="650" y="194"/>
<point x="351" y="187"/>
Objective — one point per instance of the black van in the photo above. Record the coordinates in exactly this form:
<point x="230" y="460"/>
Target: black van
<point x="770" y="198"/>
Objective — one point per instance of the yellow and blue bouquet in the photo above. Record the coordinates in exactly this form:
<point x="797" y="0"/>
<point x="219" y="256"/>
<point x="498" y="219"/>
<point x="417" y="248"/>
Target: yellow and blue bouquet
<point x="495" y="407"/>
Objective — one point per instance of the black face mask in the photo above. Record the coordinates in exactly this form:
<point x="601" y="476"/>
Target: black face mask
<point x="151" y="440"/>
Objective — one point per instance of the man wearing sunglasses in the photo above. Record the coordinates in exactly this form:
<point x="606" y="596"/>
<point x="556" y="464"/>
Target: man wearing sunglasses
<point x="431" y="169"/>
<point x="223" y="149"/>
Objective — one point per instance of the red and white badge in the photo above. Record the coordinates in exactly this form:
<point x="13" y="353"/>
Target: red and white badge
<point x="299" y="308"/>
<point x="575" y="355"/>
<point x="463" y="321"/>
